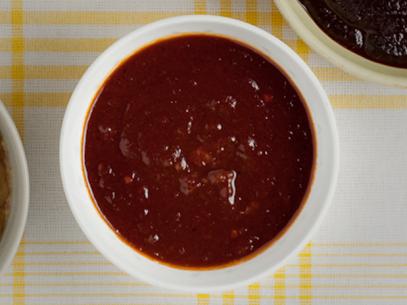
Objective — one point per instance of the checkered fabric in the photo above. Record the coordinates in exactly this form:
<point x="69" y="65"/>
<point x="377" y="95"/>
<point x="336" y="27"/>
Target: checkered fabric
<point x="358" y="256"/>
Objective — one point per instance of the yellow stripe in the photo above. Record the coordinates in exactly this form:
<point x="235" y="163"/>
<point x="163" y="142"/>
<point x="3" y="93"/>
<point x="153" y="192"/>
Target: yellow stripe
<point x="95" y="18"/>
<point x="5" y="17"/>
<point x="358" y="244"/>
<point x="277" y="276"/>
<point x="302" y="49"/>
<point x="5" y="72"/>
<point x="17" y="104"/>
<point x="41" y="99"/>
<point x="228" y="298"/>
<point x="226" y="8"/>
<point x="348" y="276"/>
<point x="361" y="297"/>
<point x="60" y="99"/>
<point x="46" y="72"/>
<point x="5" y="45"/>
<point x="355" y="254"/>
<point x="120" y="17"/>
<point x="331" y="74"/>
<point x="305" y="259"/>
<point x="254" y="294"/>
<point x="76" y="71"/>
<point x="350" y="286"/>
<point x="17" y="68"/>
<point x="202" y="299"/>
<point x="19" y="277"/>
<point x="351" y="297"/>
<point x="251" y="12"/>
<point x="70" y="273"/>
<point x="56" y="242"/>
<point x="276" y="22"/>
<point x="177" y="295"/>
<point x="200" y="7"/>
<point x="141" y="284"/>
<point x="60" y="44"/>
<point x="369" y="101"/>
<point x="362" y="244"/>
<point x="64" y="253"/>
<point x="279" y="288"/>
<point x="299" y="47"/>
<point x="356" y="265"/>
<point x="68" y="45"/>
<point x="343" y="297"/>
<point x="70" y="264"/>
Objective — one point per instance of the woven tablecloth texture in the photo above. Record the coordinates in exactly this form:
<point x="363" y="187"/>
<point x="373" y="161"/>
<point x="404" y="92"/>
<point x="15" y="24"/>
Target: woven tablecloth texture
<point x="359" y="254"/>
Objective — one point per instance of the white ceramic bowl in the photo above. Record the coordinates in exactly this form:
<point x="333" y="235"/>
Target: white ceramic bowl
<point x="321" y="43"/>
<point x="123" y="256"/>
<point x="20" y="189"/>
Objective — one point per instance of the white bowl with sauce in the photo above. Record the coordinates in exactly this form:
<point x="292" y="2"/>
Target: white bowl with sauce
<point x="19" y="189"/>
<point x="215" y="279"/>
<point x="298" y="18"/>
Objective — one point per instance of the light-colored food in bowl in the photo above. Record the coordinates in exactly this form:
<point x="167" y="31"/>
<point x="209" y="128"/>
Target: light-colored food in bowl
<point x="4" y="188"/>
<point x="115" y="248"/>
<point x="302" y="23"/>
<point x="18" y="188"/>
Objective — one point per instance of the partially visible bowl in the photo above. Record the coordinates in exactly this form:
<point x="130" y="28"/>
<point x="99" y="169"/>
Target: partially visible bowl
<point x="19" y="189"/>
<point x="354" y="64"/>
<point x="120" y="253"/>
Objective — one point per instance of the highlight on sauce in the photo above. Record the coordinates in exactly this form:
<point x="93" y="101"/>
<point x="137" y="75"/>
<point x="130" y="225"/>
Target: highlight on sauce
<point x="198" y="151"/>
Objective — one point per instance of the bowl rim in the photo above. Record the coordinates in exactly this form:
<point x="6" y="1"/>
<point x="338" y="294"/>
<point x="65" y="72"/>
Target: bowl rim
<point x="65" y="149"/>
<point x="350" y="62"/>
<point x="19" y="202"/>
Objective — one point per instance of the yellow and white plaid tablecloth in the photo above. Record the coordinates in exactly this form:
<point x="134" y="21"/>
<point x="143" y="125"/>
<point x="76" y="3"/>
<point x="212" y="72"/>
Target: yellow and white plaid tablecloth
<point x="359" y="255"/>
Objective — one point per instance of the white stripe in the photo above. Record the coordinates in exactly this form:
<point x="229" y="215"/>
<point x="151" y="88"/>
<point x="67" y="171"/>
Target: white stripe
<point x="316" y="60"/>
<point x="213" y="7"/>
<point x="60" y="58"/>
<point x="288" y="33"/>
<point x="266" y="27"/>
<point x="49" y="85"/>
<point x="5" y="5"/>
<point x="264" y="6"/>
<point x="85" y="58"/>
<point x="5" y="31"/>
<point x="5" y="58"/>
<point x="77" y="31"/>
<point x="360" y="87"/>
<point x="238" y="5"/>
<point x="103" y="300"/>
<point x="331" y="87"/>
<point x="5" y="85"/>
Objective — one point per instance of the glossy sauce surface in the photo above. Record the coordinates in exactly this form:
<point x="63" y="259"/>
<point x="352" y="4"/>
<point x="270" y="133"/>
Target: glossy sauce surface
<point x="375" y="29"/>
<point x="198" y="151"/>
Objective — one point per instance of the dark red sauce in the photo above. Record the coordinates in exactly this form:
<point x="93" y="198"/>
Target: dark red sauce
<point x="198" y="151"/>
<point x="375" y="29"/>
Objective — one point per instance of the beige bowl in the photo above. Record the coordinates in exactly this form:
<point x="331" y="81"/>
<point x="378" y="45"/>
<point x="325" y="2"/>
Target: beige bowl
<point x="321" y="43"/>
<point x="19" y="189"/>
